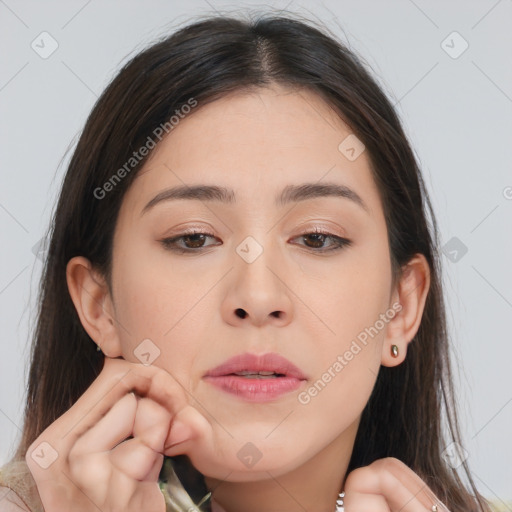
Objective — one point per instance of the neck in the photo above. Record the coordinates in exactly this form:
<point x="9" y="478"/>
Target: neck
<point x="312" y="486"/>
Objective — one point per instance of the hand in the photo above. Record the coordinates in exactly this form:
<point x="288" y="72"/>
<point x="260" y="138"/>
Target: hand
<point x="98" y="465"/>
<point x="388" y="485"/>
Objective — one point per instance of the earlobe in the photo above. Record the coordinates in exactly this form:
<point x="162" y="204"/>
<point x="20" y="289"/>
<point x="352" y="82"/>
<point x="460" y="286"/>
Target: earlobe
<point x="93" y="303"/>
<point x="411" y="293"/>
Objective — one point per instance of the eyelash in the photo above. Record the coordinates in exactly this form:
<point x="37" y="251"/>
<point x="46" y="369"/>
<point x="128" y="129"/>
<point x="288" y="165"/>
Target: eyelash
<point x="168" y="243"/>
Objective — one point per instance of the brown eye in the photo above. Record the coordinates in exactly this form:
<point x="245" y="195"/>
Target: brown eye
<point x="197" y="240"/>
<point x="318" y="238"/>
<point x="192" y="242"/>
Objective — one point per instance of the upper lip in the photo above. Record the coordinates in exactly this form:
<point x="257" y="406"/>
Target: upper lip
<point x="255" y="363"/>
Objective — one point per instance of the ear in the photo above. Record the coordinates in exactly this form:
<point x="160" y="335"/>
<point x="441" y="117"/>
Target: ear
<point x="411" y="293"/>
<point x="93" y="304"/>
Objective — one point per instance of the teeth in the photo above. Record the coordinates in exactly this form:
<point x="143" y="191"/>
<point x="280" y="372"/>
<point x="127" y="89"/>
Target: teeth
<point x="258" y="376"/>
<point x="248" y="373"/>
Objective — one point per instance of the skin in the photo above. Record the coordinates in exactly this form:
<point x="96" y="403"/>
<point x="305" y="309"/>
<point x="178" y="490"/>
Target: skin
<point x="257" y="143"/>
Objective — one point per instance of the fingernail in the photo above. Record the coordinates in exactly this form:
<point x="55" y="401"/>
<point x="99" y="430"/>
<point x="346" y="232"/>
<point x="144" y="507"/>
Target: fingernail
<point x="179" y="432"/>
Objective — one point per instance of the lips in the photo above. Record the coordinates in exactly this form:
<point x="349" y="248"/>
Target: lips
<point x="251" y="365"/>
<point x="253" y="378"/>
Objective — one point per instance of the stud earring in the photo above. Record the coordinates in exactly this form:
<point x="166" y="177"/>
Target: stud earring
<point x="98" y="348"/>
<point x="394" y="350"/>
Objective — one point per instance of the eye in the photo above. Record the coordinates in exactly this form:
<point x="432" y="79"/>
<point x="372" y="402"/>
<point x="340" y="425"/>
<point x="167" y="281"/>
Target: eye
<point x="193" y="241"/>
<point x="318" y="237"/>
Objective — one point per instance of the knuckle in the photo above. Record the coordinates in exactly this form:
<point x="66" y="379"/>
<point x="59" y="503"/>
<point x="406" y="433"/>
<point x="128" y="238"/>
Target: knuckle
<point x="389" y="470"/>
<point x="138" y="380"/>
<point x="390" y="482"/>
<point x="384" y="470"/>
<point x="398" y="468"/>
<point x="161" y="380"/>
<point x="117" y="369"/>
<point x="162" y="387"/>
<point x="388" y="464"/>
<point x="75" y="455"/>
<point x="358" y="476"/>
<point x="89" y="471"/>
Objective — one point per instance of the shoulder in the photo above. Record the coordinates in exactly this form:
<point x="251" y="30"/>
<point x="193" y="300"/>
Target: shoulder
<point x="10" y="501"/>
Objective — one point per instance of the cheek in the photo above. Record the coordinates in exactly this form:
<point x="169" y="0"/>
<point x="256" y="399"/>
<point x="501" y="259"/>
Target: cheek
<point x="153" y="304"/>
<point x="355" y="307"/>
<point x="349" y="294"/>
<point x="331" y="404"/>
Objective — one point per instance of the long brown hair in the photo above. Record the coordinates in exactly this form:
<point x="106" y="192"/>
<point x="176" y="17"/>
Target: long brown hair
<point x="207" y="60"/>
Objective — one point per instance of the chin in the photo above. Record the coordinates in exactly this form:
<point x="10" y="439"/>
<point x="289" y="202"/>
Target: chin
<point x="250" y="464"/>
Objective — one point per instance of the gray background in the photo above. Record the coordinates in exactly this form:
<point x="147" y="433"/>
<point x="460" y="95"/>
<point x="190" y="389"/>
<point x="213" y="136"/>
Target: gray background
<point x="456" y="111"/>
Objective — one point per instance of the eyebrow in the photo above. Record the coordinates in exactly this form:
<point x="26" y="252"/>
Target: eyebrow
<point x="290" y="194"/>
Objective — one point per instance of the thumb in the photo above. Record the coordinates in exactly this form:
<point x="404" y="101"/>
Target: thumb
<point x="181" y="430"/>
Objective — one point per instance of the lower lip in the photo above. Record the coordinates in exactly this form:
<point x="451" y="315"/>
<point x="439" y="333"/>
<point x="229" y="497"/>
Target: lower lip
<point x="255" y="390"/>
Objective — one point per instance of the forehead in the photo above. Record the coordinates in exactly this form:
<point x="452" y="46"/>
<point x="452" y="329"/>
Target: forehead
<point x="256" y="144"/>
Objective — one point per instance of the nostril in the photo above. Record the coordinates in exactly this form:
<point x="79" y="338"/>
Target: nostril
<point x="241" y="313"/>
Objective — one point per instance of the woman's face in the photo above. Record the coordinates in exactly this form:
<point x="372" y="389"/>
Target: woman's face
<point x="254" y="283"/>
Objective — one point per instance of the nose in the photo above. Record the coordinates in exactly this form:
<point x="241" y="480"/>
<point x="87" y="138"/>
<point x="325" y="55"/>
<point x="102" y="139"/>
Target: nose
<point x="242" y="313"/>
<point x="258" y="293"/>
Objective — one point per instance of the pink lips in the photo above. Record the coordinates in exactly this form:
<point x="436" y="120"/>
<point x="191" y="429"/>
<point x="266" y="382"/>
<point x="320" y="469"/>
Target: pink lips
<point x="252" y="388"/>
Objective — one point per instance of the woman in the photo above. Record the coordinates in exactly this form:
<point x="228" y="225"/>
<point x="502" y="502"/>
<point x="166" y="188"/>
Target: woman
<point x="242" y="231"/>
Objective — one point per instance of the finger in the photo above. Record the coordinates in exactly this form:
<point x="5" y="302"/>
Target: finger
<point x="117" y="378"/>
<point x="132" y="496"/>
<point x="400" y="486"/>
<point x="189" y="427"/>
<point x="422" y="497"/>
<point x="152" y="423"/>
<point x="110" y="430"/>
<point x="135" y="459"/>
<point x="363" y="502"/>
<point x="154" y="472"/>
